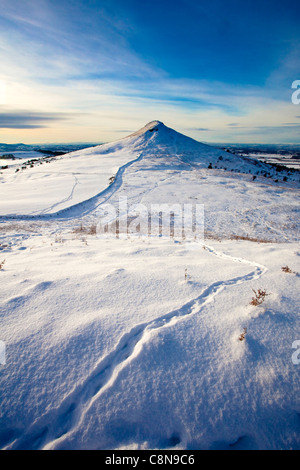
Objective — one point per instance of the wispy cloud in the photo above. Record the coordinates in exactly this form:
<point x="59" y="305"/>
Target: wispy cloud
<point x="200" y="129"/>
<point x="29" y="120"/>
<point x="87" y="60"/>
<point x="66" y="40"/>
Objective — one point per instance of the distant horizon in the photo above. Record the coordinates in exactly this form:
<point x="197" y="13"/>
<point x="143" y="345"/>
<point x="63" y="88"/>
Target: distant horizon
<point x="102" y="143"/>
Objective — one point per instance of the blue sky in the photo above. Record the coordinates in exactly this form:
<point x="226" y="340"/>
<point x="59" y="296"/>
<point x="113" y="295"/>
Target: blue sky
<point x="95" y="70"/>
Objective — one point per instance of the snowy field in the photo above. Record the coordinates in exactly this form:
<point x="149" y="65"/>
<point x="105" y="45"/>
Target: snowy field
<point x="127" y="341"/>
<point x="288" y="161"/>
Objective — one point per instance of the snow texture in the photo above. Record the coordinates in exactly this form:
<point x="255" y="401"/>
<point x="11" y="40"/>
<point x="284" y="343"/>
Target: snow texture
<point x="139" y="343"/>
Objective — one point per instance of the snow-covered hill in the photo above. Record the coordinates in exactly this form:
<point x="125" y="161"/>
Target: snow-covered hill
<point x="136" y="342"/>
<point x="50" y="186"/>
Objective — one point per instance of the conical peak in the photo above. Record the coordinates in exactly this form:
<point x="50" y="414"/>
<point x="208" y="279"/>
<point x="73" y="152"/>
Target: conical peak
<point x="152" y="126"/>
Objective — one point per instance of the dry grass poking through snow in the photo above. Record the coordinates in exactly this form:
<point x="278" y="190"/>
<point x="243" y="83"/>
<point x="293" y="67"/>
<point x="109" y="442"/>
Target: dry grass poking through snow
<point x="259" y="298"/>
<point x="242" y="336"/>
<point x="213" y="236"/>
<point x="92" y="230"/>
<point x="288" y="270"/>
<point x="250" y="239"/>
<point x="31" y="227"/>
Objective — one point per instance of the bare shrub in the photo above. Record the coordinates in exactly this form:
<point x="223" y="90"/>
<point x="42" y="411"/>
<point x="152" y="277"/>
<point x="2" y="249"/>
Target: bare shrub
<point x="213" y="236"/>
<point x="186" y="275"/>
<point x="80" y="229"/>
<point x="259" y="298"/>
<point x="242" y="335"/>
<point x="92" y="230"/>
<point x="249" y="239"/>
<point x="286" y="269"/>
<point x="2" y="264"/>
<point x="23" y="227"/>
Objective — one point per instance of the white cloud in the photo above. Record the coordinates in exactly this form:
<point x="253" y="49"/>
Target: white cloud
<point x="2" y="92"/>
<point x="50" y="64"/>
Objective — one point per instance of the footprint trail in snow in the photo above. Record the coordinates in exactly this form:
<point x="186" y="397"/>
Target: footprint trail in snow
<point x="53" y="429"/>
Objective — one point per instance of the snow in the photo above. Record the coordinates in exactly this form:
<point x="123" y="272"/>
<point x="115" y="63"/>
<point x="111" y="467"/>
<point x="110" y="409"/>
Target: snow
<point x="287" y="160"/>
<point x="133" y="342"/>
<point x="84" y="175"/>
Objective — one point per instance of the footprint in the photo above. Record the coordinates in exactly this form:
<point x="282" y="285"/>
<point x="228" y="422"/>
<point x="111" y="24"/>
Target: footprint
<point x="174" y="440"/>
<point x="8" y="435"/>
<point x="242" y="443"/>
<point x="43" y="285"/>
<point x="64" y="421"/>
<point x="106" y="372"/>
<point x="17" y="301"/>
<point x="34" y="440"/>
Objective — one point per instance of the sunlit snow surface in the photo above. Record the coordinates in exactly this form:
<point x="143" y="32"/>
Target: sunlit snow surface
<point x="134" y="342"/>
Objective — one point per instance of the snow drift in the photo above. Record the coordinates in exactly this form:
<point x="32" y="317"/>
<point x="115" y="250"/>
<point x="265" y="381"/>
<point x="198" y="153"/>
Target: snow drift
<point x="138" y="344"/>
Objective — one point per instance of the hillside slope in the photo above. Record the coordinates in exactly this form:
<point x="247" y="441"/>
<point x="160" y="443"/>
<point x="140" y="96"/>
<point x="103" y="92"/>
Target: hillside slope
<point x="140" y="341"/>
<point x="44" y="188"/>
